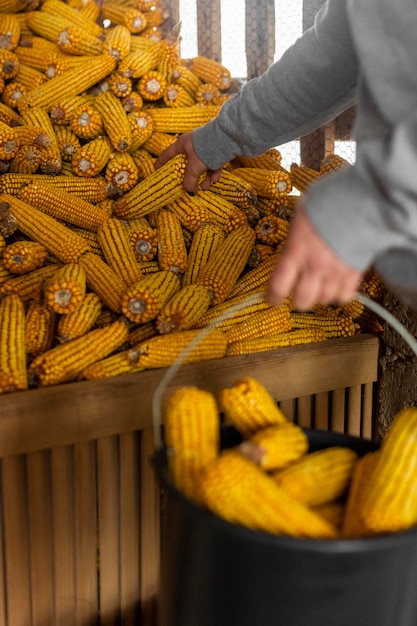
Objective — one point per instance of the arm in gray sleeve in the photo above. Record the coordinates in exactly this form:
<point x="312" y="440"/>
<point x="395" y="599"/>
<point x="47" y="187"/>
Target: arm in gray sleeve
<point x="311" y="83"/>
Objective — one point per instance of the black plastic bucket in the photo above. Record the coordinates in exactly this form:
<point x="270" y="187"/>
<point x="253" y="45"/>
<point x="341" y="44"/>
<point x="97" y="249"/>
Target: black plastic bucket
<point x="219" y="574"/>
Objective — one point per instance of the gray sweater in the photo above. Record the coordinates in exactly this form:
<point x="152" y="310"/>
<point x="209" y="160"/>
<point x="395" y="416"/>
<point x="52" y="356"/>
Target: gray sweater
<point x="362" y="52"/>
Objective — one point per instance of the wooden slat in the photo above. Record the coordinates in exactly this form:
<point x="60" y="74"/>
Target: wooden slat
<point x="16" y="541"/>
<point x="130" y="476"/>
<point x="75" y="412"/>
<point x="63" y="516"/>
<point x="86" y="563"/>
<point x="108" y="493"/>
<point x="40" y="532"/>
<point x="150" y="531"/>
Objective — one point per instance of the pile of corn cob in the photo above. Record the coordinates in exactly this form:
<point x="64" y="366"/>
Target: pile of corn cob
<point x="108" y="266"/>
<point x="272" y="482"/>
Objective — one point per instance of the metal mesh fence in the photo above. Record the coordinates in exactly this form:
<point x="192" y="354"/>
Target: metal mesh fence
<point x="247" y="36"/>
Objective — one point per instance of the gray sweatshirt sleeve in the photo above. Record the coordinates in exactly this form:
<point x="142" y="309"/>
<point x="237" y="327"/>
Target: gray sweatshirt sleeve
<point x="311" y="83"/>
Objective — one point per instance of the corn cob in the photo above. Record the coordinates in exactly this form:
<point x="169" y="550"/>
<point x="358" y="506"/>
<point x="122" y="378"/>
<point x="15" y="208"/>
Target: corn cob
<point x="159" y="188"/>
<point x="191" y="432"/>
<point x="183" y="310"/>
<point x="115" y="120"/>
<point x="157" y="142"/>
<point x="272" y="342"/>
<point x="318" y="477"/>
<point x="29" y="286"/>
<point x="69" y="84"/>
<point x="124" y="362"/>
<point x="63" y="206"/>
<point x="333" y="326"/>
<point x="235" y="190"/>
<point x="65" y="290"/>
<point x="64" y="362"/>
<point x="141" y="332"/>
<point x="264" y="323"/>
<point x="389" y="501"/>
<point x="178" y="120"/>
<point x="92" y="157"/>
<point x="46" y="230"/>
<point x="26" y="161"/>
<point x="8" y="142"/>
<point x="276" y="447"/>
<point x="129" y="17"/>
<point x="272" y="230"/>
<point x="9" y="31"/>
<point x="138" y="63"/>
<point x="191" y="213"/>
<point x="23" y="256"/>
<point x="114" y="241"/>
<point x="143" y="239"/>
<point x="119" y="85"/>
<point x="172" y="253"/>
<point x="249" y="406"/>
<point x="142" y="301"/>
<point x="177" y="96"/>
<point x="267" y="183"/>
<point x="211" y="71"/>
<point x="183" y="77"/>
<point x="81" y="320"/>
<point x="39" y="327"/>
<point x="239" y="491"/>
<point x="331" y="163"/>
<point x="221" y="210"/>
<point x="302" y="176"/>
<point x="226" y="264"/>
<point x="205" y="242"/>
<point x="164" y="350"/>
<point x="352" y="524"/>
<point x="12" y="344"/>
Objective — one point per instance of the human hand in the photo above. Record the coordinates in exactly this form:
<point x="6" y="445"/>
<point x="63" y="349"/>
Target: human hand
<point x="310" y="270"/>
<point x="195" y="167"/>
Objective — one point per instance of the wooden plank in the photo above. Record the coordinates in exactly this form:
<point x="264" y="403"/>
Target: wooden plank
<point x="63" y="535"/>
<point x="130" y="476"/>
<point x="16" y="541"/>
<point x="40" y="532"/>
<point x="150" y="531"/>
<point x="86" y="564"/>
<point x="108" y="529"/>
<point x="81" y="411"/>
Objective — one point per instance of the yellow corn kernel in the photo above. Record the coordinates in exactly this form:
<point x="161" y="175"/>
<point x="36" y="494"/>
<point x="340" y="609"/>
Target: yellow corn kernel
<point x="172" y="253"/>
<point x="177" y="120"/>
<point x="390" y="500"/>
<point x="211" y="71"/>
<point x="319" y="476"/>
<point x="267" y="183"/>
<point x="92" y="157"/>
<point x="272" y="342"/>
<point x="65" y="290"/>
<point x="164" y="350"/>
<point x="121" y="171"/>
<point x="63" y="206"/>
<point x="115" y="120"/>
<point x="114" y="241"/>
<point x="12" y="344"/>
<point x="28" y="286"/>
<point x="237" y="490"/>
<point x="127" y="16"/>
<point x="143" y="300"/>
<point x="272" y="230"/>
<point x="221" y="211"/>
<point x="143" y="239"/>
<point x="352" y="524"/>
<point x="276" y="447"/>
<point x="226" y="264"/>
<point x="124" y="362"/>
<point x="40" y="322"/>
<point x="23" y="256"/>
<point x="81" y="320"/>
<point x="71" y="83"/>
<point x="66" y="245"/>
<point x="249" y="406"/>
<point x="159" y="188"/>
<point x="333" y="326"/>
<point x="205" y="241"/>
<point x="191" y="433"/>
<point x="103" y="281"/>
<point x="183" y="310"/>
<point x="302" y="176"/>
<point x="65" y="362"/>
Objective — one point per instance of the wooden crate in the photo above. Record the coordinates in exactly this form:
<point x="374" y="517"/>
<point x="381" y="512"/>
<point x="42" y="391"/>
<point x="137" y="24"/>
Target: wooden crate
<point x="80" y="507"/>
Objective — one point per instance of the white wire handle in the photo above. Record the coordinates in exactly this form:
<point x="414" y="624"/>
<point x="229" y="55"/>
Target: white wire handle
<point x="172" y="370"/>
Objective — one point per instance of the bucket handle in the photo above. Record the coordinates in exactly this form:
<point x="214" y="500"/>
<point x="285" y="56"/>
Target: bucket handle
<point x="172" y="370"/>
